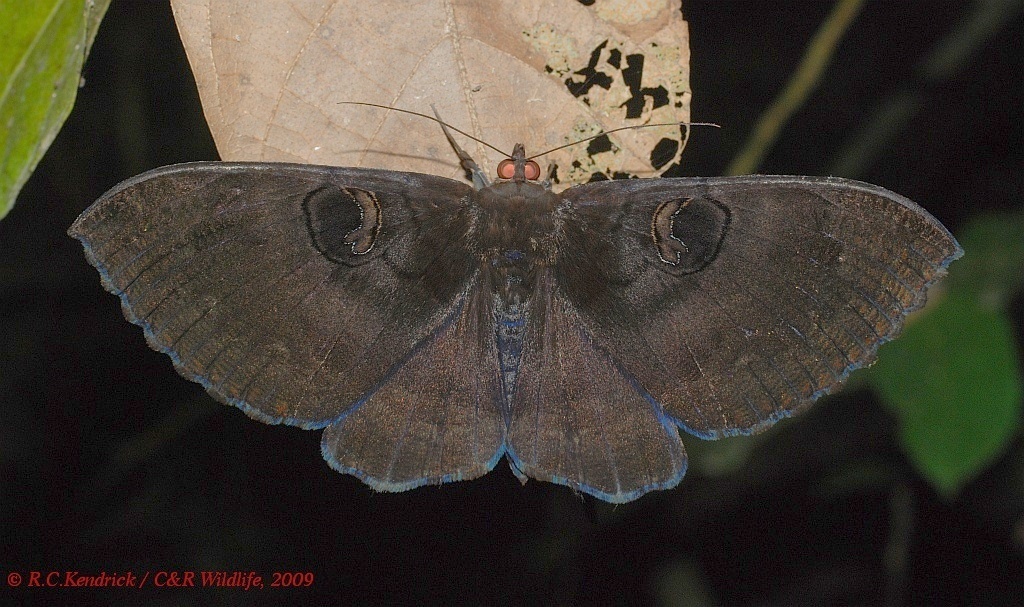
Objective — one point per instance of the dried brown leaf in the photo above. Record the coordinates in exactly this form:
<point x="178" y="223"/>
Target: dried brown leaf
<point x="540" y="72"/>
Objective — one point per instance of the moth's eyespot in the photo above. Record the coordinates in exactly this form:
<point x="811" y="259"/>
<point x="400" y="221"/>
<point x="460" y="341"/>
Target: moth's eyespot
<point x="506" y="169"/>
<point x="532" y="170"/>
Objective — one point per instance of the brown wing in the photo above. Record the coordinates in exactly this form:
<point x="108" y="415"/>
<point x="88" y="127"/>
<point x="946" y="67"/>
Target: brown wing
<point x="436" y="418"/>
<point x="579" y="418"/>
<point x="735" y="302"/>
<point x="294" y="292"/>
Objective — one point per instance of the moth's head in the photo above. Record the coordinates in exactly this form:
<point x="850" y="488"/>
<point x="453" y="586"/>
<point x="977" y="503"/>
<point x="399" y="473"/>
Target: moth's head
<point x="518" y="168"/>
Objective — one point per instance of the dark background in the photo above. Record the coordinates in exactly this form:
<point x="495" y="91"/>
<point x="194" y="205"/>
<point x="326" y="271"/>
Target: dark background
<point x="111" y="461"/>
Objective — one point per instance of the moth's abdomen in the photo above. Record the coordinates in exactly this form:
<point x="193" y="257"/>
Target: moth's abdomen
<point x="509" y="329"/>
<point x="510" y="276"/>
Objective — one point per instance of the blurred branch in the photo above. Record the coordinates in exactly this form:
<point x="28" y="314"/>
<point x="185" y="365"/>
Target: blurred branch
<point x="804" y="80"/>
<point x="148" y="443"/>
<point x="897" y="549"/>
<point x="949" y="57"/>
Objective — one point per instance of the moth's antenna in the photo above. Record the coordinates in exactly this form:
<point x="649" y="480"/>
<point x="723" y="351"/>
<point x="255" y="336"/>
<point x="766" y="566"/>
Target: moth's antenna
<point x="446" y="126"/>
<point x="623" y="128"/>
<point x="433" y="118"/>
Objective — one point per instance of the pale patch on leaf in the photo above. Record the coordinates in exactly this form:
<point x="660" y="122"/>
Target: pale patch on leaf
<point x="539" y="72"/>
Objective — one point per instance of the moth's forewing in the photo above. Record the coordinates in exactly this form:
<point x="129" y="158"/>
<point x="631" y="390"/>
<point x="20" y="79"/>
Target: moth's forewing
<point x="781" y="287"/>
<point x="301" y="294"/>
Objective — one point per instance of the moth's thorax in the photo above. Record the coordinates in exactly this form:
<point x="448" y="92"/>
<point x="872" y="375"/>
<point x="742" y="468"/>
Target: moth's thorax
<point x="517" y="217"/>
<point x="507" y="194"/>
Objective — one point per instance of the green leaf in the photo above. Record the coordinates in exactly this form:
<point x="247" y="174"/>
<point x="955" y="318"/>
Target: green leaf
<point x="44" y="46"/>
<point x="993" y="268"/>
<point x="954" y="376"/>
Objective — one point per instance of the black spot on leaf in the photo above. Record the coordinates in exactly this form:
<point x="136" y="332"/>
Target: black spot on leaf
<point x="663" y="153"/>
<point x="633" y="76"/>
<point x="591" y="76"/>
<point x="598" y="145"/>
<point x="615" y="58"/>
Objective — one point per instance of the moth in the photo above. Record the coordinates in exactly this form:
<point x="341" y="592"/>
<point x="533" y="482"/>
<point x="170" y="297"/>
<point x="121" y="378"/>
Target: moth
<point x="433" y="328"/>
